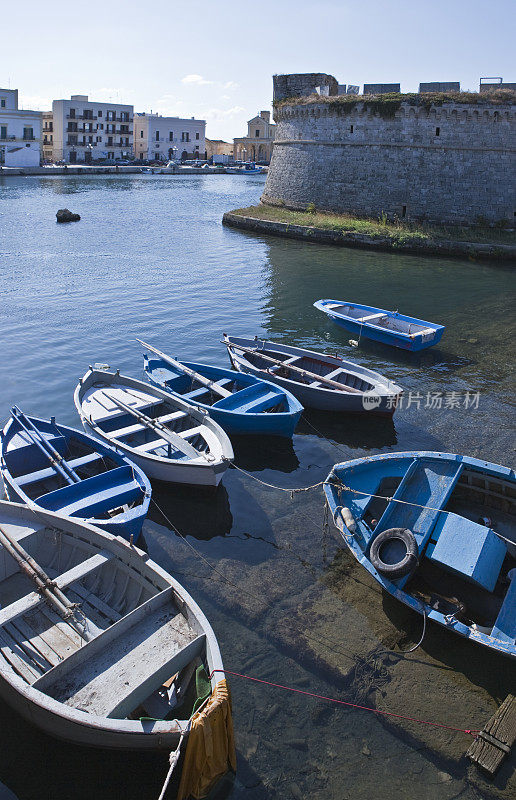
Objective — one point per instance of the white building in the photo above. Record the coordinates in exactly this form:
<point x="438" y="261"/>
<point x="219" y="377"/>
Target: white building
<point x="20" y="132"/>
<point x="47" y="133"/>
<point x="87" y="131"/>
<point x="162" y="138"/>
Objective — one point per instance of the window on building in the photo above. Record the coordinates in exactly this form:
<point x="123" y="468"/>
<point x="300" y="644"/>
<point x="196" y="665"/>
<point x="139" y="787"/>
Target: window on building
<point x="3" y="132"/>
<point x="171" y="136"/>
<point x="351" y="128"/>
<point x="2" y="102"/>
<point x="197" y="135"/>
<point x="28" y="133"/>
<point x="437" y="131"/>
<point x="141" y="134"/>
<point x="141" y="156"/>
<point x="157" y="136"/>
<point x="156" y="156"/>
<point x="99" y="138"/>
<point x="72" y="113"/>
<point x="99" y="113"/>
<point x="404" y="211"/>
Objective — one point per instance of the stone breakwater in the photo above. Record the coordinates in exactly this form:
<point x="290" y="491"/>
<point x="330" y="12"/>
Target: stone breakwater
<point x="431" y="247"/>
<point x="447" y="163"/>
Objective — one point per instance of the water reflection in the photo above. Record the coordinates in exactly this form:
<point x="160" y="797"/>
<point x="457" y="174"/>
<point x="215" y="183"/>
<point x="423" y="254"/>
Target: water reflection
<point x="256" y="453"/>
<point x="285" y="600"/>
<point x="195" y="512"/>
<point x="355" y="431"/>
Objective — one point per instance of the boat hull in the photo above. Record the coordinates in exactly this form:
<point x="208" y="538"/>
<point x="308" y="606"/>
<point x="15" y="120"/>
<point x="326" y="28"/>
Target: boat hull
<point x="195" y="470"/>
<point x="280" y="423"/>
<point x="357" y="535"/>
<point x="65" y="721"/>
<point x="429" y="333"/>
<point x="381" y="399"/>
<point x="126" y="523"/>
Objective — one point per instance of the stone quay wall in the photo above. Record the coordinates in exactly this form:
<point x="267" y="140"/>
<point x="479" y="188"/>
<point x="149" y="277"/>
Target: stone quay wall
<point x="449" y="163"/>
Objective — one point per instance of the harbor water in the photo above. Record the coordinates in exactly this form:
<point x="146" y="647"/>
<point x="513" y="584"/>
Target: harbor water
<point x="288" y="604"/>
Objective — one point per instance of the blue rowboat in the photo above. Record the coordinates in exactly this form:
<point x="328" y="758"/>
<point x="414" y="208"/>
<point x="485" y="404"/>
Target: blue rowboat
<point x="388" y="327"/>
<point x="56" y="468"/>
<point x="438" y="532"/>
<point x="240" y="403"/>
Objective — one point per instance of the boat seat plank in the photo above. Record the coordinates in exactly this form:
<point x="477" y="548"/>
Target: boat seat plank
<point x="427" y="484"/>
<point x="94" y="601"/>
<point x="130" y="429"/>
<point x="72" y="575"/>
<point x="196" y="393"/>
<point x="49" y="472"/>
<point x="190" y="432"/>
<point x="259" y="403"/>
<point x="108" y="672"/>
<point x="467" y="548"/>
<point x="370" y="317"/>
<point x="505" y="624"/>
<point x="94" y="495"/>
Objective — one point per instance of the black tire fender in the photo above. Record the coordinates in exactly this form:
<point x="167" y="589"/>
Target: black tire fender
<point x="403" y="567"/>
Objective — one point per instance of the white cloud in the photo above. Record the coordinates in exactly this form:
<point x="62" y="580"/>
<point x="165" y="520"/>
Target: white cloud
<point x="198" y="80"/>
<point x="230" y="85"/>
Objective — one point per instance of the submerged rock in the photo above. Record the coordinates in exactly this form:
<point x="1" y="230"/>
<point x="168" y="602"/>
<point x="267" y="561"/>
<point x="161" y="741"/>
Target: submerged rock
<point x="64" y="215"/>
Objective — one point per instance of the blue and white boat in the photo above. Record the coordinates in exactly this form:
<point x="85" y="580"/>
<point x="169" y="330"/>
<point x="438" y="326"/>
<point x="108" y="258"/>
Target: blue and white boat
<point x="388" y="327"/>
<point x="56" y="468"/>
<point x="240" y="403"/>
<point x="438" y="532"/>
<point x="323" y="381"/>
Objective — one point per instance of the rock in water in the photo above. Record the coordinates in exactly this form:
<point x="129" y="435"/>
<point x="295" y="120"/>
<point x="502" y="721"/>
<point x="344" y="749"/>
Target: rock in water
<point x="64" y="215"/>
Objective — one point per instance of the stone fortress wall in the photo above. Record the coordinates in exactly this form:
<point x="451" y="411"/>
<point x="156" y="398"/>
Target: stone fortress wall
<point x="451" y="163"/>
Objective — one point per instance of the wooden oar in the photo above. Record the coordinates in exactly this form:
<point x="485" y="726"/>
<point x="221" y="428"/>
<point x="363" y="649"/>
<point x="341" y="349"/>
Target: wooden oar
<point x="212" y="385"/>
<point x="319" y="378"/>
<point x="164" y="433"/>
<point x="55" y="458"/>
<point x="44" y="585"/>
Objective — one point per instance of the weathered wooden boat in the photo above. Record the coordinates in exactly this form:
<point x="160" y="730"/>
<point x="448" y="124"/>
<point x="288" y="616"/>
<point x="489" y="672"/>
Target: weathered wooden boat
<point x="388" y="327"/>
<point x="240" y="403"/>
<point x="169" y="438"/>
<point x="98" y="644"/>
<point x="51" y="466"/>
<point x="318" y="380"/>
<point x="438" y="532"/>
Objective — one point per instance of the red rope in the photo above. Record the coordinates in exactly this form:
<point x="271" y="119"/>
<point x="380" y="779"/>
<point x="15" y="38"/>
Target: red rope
<point x="345" y="703"/>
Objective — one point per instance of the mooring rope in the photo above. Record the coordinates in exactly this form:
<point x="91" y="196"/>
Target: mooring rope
<point x="292" y="492"/>
<point x="469" y="731"/>
<point x="173" y="759"/>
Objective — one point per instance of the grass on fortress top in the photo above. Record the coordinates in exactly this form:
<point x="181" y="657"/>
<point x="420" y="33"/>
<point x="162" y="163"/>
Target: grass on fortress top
<point x="386" y="105"/>
<point x="397" y="230"/>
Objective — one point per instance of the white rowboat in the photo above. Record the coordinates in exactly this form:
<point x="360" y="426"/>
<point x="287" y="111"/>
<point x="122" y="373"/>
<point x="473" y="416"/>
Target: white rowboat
<point x="169" y="438"/>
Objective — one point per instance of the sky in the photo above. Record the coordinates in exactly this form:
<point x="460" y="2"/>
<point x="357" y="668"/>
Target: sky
<point x="215" y="61"/>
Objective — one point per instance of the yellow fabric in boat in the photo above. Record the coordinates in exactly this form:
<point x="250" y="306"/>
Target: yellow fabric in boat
<point x="210" y="750"/>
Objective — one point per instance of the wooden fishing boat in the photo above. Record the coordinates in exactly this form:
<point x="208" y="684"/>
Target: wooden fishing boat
<point x="98" y="644"/>
<point x="169" y="438"/>
<point x="438" y="532"/>
<point x="51" y="466"/>
<point x="239" y="403"/>
<point x="388" y="327"/>
<point x="318" y="380"/>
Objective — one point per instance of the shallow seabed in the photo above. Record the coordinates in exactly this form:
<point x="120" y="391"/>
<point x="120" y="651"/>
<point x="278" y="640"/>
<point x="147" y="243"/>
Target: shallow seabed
<point x="149" y="258"/>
